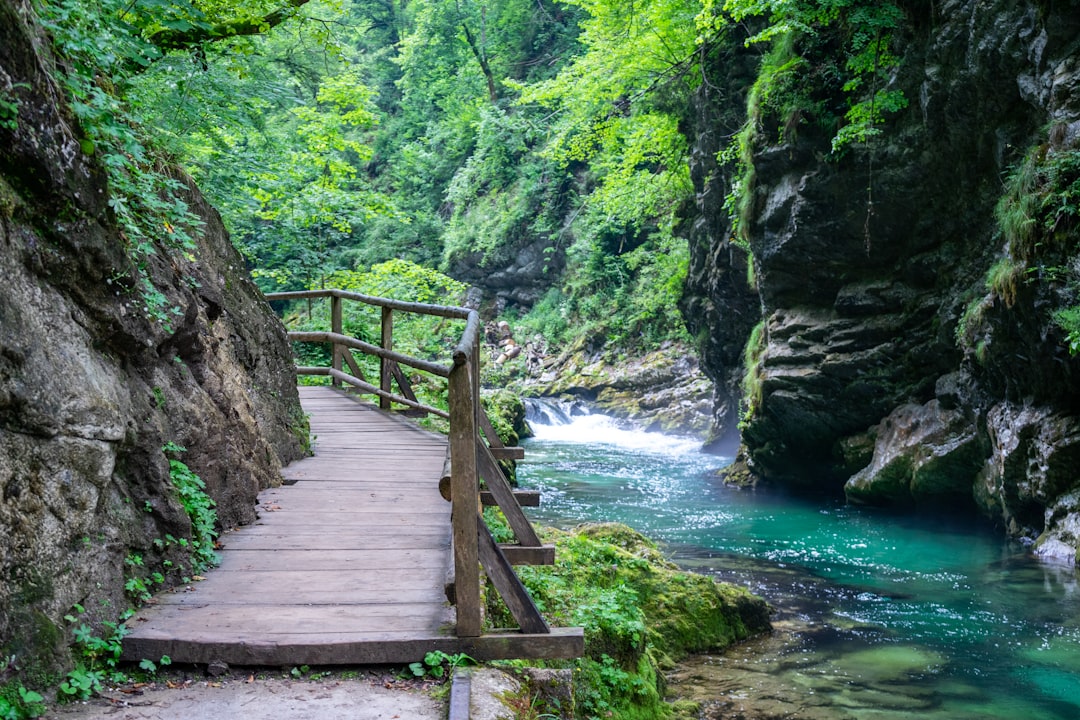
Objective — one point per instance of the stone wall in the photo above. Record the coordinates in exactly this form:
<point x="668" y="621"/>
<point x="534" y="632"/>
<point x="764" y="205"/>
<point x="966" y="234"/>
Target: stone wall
<point x="91" y="388"/>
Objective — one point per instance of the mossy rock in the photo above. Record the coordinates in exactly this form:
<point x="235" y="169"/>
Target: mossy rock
<point x="506" y="410"/>
<point x="641" y="613"/>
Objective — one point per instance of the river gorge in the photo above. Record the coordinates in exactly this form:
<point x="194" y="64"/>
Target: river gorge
<point x="877" y="615"/>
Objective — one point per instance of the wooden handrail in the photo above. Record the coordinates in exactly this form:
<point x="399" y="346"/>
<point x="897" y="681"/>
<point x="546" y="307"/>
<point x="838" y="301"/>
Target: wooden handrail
<point x="469" y="458"/>
<point x="447" y="311"/>
<point x="369" y="349"/>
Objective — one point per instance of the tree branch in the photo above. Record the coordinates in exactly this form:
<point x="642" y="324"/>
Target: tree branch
<point x="169" y="39"/>
<point x="493" y="93"/>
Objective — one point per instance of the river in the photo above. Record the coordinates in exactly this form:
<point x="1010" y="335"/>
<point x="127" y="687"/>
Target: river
<point x="878" y="615"/>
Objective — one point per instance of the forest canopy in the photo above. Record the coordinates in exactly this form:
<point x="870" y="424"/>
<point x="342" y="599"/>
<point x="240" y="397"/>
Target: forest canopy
<point x="334" y="135"/>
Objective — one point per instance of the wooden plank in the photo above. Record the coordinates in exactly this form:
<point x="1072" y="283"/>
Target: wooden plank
<point x="385" y="373"/>
<point x="310" y="597"/>
<point x="263" y="620"/>
<point x="500" y="490"/>
<point x="386" y="519"/>
<point x="508" y="453"/>
<point x="282" y="561"/>
<point x="524" y="498"/>
<point x="521" y="555"/>
<point x="493" y="439"/>
<point x="353" y="367"/>
<point x="336" y="350"/>
<point x="509" y="586"/>
<point x="347" y="565"/>
<point x="374" y="649"/>
<point x="355" y="538"/>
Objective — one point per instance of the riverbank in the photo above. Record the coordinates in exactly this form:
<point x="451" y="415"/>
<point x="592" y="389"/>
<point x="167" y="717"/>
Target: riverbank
<point x="640" y="611"/>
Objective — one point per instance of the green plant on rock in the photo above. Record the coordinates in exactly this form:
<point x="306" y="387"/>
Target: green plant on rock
<point x="639" y="611"/>
<point x="9" y="108"/>
<point x="16" y="701"/>
<point x="1038" y="216"/>
<point x="101" y="49"/>
<point x="97" y="657"/>
<point x="1004" y="279"/>
<point x="199" y="507"/>
<point x="1068" y="319"/>
<point x="753" y="357"/>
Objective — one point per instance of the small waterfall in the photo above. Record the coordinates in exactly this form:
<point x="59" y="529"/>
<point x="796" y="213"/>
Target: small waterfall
<point x="548" y="411"/>
<point x="574" y="422"/>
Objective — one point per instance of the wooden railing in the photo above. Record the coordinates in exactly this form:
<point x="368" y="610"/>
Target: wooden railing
<point x="474" y="450"/>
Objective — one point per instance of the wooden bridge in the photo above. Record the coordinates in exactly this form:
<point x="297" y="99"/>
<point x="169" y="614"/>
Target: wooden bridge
<point x="359" y="558"/>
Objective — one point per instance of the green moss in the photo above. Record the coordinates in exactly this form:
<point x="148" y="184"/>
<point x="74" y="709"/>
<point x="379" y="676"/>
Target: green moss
<point x="753" y="356"/>
<point x="38" y="647"/>
<point x="300" y="427"/>
<point x="9" y="200"/>
<point x="641" y="613"/>
<point x="1004" y="279"/>
<point x="506" y="410"/>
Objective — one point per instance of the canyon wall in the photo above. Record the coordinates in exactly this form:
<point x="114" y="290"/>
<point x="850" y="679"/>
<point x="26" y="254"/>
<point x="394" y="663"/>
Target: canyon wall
<point x="905" y="344"/>
<point x="92" y="387"/>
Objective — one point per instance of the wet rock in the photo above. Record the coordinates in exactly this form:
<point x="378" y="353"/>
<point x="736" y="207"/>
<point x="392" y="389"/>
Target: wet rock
<point x="924" y="454"/>
<point x="870" y="270"/>
<point x="1029" y="481"/>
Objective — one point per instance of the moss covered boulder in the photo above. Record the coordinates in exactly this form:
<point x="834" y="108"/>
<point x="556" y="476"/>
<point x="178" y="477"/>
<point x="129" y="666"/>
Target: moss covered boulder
<point x="641" y="613"/>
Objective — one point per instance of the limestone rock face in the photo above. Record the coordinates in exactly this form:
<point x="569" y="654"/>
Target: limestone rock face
<point x="925" y="455"/>
<point x="518" y="275"/>
<point x="870" y="274"/>
<point x="91" y="388"/>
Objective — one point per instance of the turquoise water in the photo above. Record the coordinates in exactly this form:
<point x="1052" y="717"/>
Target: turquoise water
<point x="883" y="616"/>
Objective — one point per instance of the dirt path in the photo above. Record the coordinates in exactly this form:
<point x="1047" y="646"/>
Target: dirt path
<point x="257" y="695"/>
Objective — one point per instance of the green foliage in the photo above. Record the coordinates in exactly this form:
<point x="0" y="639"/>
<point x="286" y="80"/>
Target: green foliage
<point x="16" y="701"/>
<point x="9" y="106"/>
<point x="151" y="667"/>
<point x="1004" y="279"/>
<point x="1038" y="216"/>
<point x="191" y="491"/>
<point x="800" y="28"/>
<point x="639" y="611"/>
<point x="1068" y="319"/>
<point x="438" y="664"/>
<point x="101" y="49"/>
<point x="1040" y="208"/>
<point x="97" y="657"/>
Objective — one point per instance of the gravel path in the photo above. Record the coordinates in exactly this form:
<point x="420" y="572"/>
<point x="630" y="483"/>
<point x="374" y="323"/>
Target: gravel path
<point x="352" y="695"/>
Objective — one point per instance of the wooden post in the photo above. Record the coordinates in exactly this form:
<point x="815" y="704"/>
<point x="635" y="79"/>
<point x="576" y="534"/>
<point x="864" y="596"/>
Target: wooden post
<point x="336" y="350"/>
<point x="385" y="367"/>
<point x="464" y="488"/>
<point x="475" y="362"/>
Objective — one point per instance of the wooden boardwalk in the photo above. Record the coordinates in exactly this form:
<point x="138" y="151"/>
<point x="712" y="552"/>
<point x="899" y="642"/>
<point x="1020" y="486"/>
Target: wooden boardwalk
<point x="346" y="566"/>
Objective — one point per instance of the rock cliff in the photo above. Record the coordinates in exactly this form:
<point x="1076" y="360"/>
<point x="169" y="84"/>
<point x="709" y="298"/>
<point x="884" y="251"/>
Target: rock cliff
<point x="91" y="388"/>
<point x="911" y="349"/>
